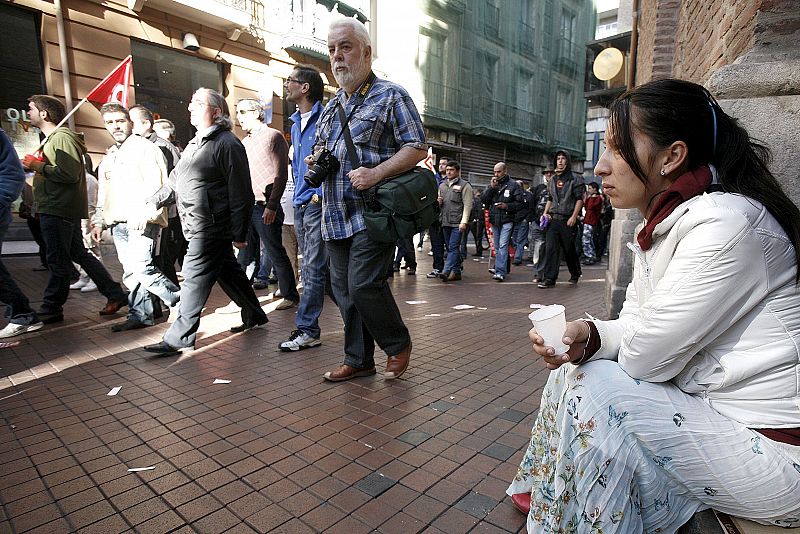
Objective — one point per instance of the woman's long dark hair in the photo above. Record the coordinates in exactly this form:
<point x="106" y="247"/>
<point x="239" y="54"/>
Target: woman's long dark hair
<point x="670" y="110"/>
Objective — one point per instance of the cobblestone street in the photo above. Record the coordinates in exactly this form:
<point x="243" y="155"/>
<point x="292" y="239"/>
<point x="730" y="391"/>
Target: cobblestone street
<point x="277" y="449"/>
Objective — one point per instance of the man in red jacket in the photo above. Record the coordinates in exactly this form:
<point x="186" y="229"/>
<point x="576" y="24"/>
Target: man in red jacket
<point x="593" y="204"/>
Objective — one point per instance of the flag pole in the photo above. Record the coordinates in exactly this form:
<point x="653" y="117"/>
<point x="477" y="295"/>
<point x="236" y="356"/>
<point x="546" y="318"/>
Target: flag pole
<point x="82" y="102"/>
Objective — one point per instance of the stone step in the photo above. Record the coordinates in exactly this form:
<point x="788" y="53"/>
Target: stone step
<point x="711" y="522"/>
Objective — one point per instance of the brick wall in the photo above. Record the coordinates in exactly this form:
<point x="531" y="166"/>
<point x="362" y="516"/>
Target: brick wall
<point x="690" y="39"/>
<point x="711" y="34"/>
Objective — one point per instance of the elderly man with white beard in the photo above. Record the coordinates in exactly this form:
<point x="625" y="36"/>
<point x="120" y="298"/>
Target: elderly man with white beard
<point x="389" y="139"/>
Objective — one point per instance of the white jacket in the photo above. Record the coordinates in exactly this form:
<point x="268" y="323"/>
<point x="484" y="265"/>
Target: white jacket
<point x="714" y="308"/>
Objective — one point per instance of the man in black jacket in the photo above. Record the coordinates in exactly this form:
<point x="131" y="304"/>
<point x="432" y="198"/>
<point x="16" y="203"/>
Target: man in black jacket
<point x="503" y="198"/>
<point x="215" y="202"/>
<point x="566" y="190"/>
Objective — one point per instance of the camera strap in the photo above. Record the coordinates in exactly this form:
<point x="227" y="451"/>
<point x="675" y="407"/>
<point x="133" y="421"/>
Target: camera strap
<point x="358" y="99"/>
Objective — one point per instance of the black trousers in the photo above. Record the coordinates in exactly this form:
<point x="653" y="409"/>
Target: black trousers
<point x="561" y="239"/>
<point x="208" y="261"/>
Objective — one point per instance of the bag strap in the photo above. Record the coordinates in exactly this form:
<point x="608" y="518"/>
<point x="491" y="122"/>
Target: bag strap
<point x="358" y="99"/>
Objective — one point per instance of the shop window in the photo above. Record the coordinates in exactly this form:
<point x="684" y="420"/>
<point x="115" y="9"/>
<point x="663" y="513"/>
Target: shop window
<point x="165" y="80"/>
<point x="22" y="74"/>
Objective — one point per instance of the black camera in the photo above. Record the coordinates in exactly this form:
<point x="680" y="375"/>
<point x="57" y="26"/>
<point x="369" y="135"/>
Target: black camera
<point x="323" y="164"/>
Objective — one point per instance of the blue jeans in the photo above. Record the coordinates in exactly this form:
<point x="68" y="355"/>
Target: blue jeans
<point x="358" y="275"/>
<point x="18" y="307"/>
<point x="314" y="268"/>
<point x="520" y="239"/>
<point x="452" y="236"/>
<point x="141" y="276"/>
<point x="271" y="240"/>
<point x="502" y="236"/>
<point x="65" y="245"/>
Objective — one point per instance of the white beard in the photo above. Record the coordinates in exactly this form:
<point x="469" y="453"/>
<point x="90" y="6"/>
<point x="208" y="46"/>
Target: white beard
<point x="346" y="79"/>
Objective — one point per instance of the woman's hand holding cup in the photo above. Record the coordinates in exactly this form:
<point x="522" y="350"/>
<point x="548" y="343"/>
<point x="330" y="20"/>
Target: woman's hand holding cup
<point x="548" y="324"/>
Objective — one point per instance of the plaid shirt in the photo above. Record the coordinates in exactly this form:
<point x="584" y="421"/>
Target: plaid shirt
<point x="386" y="121"/>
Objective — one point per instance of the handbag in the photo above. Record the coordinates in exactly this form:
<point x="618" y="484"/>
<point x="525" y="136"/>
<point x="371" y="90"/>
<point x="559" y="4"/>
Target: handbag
<point x="397" y="207"/>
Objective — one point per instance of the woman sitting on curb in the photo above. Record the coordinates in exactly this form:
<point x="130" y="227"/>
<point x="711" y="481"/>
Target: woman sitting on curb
<point x="691" y="399"/>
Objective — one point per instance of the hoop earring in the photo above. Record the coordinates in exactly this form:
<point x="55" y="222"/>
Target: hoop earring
<point x="663" y="172"/>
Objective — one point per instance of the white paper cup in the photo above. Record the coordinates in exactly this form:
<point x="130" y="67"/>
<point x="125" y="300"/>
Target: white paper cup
<point x="550" y="323"/>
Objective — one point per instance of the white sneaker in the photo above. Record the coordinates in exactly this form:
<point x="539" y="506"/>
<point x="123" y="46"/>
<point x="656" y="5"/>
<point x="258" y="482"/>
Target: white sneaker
<point x="299" y="340"/>
<point x="91" y="286"/>
<point x="12" y="329"/>
<point x="231" y="307"/>
<point x="81" y="283"/>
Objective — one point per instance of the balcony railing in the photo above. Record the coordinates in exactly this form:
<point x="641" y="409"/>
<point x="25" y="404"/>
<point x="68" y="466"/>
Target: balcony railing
<point x="527" y="38"/>
<point x="508" y="119"/>
<point x="441" y="100"/>
<point x="568" y="55"/>
<point x="241" y="5"/>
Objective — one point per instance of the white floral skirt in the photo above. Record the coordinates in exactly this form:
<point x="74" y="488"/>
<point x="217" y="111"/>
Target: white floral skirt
<point x="612" y="454"/>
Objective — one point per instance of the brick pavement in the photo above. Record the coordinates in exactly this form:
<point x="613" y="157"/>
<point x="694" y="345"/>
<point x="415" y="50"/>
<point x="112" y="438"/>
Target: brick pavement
<point x="277" y="449"/>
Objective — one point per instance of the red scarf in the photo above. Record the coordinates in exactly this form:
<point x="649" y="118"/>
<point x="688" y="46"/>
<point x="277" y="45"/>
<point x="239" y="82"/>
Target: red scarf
<point x="688" y="185"/>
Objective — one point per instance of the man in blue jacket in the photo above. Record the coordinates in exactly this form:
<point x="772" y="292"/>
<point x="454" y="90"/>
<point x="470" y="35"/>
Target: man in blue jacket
<point x="23" y="318"/>
<point x="304" y="87"/>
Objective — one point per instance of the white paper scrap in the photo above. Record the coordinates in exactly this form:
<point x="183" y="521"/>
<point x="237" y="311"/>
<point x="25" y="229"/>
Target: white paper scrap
<point x="137" y="469"/>
<point x="416" y="302"/>
<point x="463" y="307"/>
<point x="113" y="391"/>
<point x="432" y="315"/>
<point x="452" y="397"/>
<point x="221" y="381"/>
<point x="483" y="308"/>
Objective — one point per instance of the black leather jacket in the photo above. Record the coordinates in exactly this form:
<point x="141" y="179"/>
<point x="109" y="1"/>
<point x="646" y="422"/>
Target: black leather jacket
<point x="507" y="191"/>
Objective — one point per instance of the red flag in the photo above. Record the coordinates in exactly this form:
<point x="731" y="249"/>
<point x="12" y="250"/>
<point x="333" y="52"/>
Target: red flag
<point x="428" y="161"/>
<point x="114" y="88"/>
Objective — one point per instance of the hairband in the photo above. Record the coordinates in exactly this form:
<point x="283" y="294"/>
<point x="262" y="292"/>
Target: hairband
<point x="714" y="119"/>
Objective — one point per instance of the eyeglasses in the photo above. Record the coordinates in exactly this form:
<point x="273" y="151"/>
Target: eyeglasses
<point x="295" y="80"/>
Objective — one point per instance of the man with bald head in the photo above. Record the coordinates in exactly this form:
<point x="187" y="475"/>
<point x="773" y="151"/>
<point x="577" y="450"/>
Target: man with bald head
<point x="388" y="139"/>
<point x="503" y="198"/>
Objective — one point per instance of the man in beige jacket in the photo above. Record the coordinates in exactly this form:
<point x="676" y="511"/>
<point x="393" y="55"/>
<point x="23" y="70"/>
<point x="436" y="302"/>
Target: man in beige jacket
<point x="131" y="172"/>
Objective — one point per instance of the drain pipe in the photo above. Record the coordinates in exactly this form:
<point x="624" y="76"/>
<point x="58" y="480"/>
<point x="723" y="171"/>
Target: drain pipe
<point x="634" y="43"/>
<point x="62" y="49"/>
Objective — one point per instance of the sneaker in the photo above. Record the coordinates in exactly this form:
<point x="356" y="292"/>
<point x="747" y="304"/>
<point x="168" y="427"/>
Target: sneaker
<point x="436" y="273"/>
<point x="91" y="286"/>
<point x="286" y="304"/>
<point x="12" y="329"/>
<point x="299" y="340"/>
<point x="260" y="284"/>
<point x="492" y="270"/>
<point x="574" y="280"/>
<point x="81" y="283"/>
<point x="498" y="278"/>
<point x="231" y="307"/>
<point x="546" y="284"/>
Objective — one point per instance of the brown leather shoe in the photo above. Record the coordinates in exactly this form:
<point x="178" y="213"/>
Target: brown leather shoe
<point x="113" y="306"/>
<point x="346" y="372"/>
<point x="454" y="277"/>
<point x="396" y="365"/>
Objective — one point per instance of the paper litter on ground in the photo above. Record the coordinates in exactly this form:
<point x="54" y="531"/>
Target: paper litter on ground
<point x="113" y="391"/>
<point x="137" y="469"/>
<point x="432" y="315"/>
<point x="221" y="381"/>
<point x="482" y="308"/>
<point x="416" y="302"/>
<point x="463" y="307"/>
